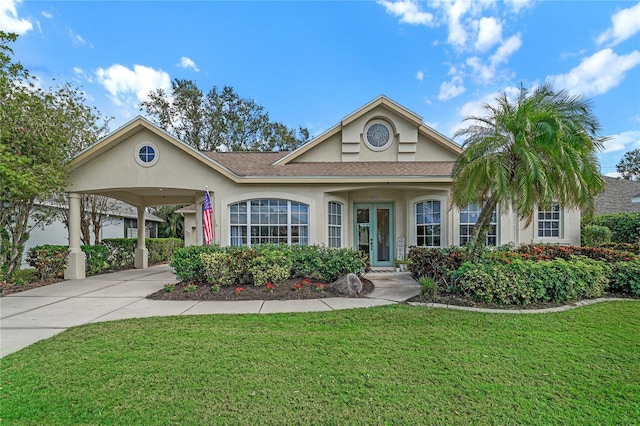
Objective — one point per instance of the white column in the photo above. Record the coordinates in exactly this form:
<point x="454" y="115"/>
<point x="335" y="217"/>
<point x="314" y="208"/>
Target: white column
<point x="199" y="230"/>
<point x="142" y="254"/>
<point x="76" y="269"/>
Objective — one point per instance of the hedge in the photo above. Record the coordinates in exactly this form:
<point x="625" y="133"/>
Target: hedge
<point x="115" y="253"/>
<point x="522" y="282"/>
<point x="260" y="264"/>
<point x="625" y="227"/>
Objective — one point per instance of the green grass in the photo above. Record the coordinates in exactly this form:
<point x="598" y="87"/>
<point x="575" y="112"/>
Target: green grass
<point x="387" y="365"/>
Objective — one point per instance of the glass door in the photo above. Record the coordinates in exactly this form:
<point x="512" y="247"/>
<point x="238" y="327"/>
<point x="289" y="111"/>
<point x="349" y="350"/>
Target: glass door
<point x="374" y="232"/>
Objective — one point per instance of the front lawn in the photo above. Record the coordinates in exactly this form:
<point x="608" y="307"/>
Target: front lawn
<point x="387" y="365"/>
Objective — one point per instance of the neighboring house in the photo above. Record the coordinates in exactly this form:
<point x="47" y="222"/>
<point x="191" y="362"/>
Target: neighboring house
<point x="618" y="196"/>
<point x="121" y="222"/>
<point x="379" y="181"/>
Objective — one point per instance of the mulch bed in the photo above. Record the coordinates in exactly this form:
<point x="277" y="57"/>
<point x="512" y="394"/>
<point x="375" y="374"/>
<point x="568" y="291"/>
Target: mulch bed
<point x="8" y="289"/>
<point x="285" y="290"/>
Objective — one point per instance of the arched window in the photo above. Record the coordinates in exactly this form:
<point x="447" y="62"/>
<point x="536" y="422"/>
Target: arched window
<point x="335" y="224"/>
<point x="263" y="221"/>
<point x="428" y="224"/>
<point x="468" y="218"/>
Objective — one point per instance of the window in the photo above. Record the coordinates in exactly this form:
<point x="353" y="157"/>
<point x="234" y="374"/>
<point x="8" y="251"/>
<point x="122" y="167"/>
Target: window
<point x="428" y="223"/>
<point x="335" y="224"/>
<point x="468" y="218"/>
<point x="269" y="221"/>
<point x="377" y="135"/>
<point x="146" y="154"/>
<point x="549" y="221"/>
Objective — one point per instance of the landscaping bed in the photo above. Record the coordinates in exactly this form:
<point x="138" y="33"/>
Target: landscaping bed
<point x="290" y="289"/>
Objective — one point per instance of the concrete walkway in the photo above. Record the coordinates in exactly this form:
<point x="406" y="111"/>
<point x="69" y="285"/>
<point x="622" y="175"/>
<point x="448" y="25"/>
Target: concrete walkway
<point x="38" y="314"/>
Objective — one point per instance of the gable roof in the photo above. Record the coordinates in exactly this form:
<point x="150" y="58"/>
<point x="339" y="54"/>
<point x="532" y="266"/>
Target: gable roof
<point x="273" y="167"/>
<point x="380" y="101"/>
<point x="131" y="128"/>
<point x="265" y="165"/>
<point x="617" y="196"/>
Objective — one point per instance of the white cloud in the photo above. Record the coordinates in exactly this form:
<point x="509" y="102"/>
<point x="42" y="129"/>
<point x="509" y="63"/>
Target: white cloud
<point x="76" y="38"/>
<point x="408" y="10"/>
<point x="9" y="21"/>
<point x="596" y="74"/>
<point x="518" y="5"/>
<point x="614" y="175"/>
<point x="128" y="87"/>
<point x="187" y="63"/>
<point x="451" y="89"/>
<point x="46" y="15"/>
<point x="626" y="23"/>
<point x="622" y="141"/>
<point x="489" y="33"/>
<point x="486" y="73"/>
<point x="419" y="76"/>
<point x="506" y="49"/>
<point x="455" y="11"/>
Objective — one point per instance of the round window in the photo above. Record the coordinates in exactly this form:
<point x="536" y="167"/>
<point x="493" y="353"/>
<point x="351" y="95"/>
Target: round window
<point x="378" y="135"/>
<point x="147" y="154"/>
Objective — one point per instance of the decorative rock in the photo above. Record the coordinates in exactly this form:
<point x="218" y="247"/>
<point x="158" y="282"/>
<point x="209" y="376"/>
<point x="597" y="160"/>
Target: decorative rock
<point x="349" y="284"/>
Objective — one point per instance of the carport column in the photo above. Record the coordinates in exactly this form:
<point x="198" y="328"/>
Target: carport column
<point x="76" y="269"/>
<point x="142" y="254"/>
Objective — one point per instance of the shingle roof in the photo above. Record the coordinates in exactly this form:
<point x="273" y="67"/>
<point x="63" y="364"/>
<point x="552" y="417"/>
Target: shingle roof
<point x="261" y="164"/>
<point x="617" y="196"/>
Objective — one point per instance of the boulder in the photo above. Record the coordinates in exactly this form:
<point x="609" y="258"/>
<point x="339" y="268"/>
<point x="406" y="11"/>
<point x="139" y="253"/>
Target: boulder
<point x="349" y="284"/>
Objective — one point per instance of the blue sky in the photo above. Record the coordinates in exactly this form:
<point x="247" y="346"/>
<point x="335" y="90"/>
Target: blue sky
<point x="312" y="63"/>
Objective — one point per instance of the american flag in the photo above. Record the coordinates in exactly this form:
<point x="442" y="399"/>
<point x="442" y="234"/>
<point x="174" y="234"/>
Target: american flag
<point x="207" y="219"/>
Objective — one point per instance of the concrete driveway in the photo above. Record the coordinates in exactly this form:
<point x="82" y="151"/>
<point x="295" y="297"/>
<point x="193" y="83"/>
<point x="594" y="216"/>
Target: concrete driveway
<point x="38" y="314"/>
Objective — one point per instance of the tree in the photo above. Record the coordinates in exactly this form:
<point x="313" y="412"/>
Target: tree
<point x="535" y="151"/>
<point x="629" y="166"/>
<point x="94" y="211"/>
<point x="39" y="131"/>
<point x="219" y="121"/>
<point x="173" y="225"/>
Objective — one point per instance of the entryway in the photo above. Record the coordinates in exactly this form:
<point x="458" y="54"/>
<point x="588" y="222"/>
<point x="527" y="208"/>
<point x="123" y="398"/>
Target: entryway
<point x="374" y="232"/>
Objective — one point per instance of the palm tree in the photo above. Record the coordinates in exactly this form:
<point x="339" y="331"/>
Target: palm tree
<point x="532" y="152"/>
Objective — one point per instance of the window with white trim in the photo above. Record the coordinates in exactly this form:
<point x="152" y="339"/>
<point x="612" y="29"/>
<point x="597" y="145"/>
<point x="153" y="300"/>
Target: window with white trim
<point x="468" y="219"/>
<point x="263" y="221"/>
<point x="335" y="224"/>
<point x="549" y="221"/>
<point x="428" y="224"/>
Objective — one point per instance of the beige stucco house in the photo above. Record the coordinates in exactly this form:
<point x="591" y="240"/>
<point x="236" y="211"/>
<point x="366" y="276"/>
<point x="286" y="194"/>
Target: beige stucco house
<point x="378" y="181"/>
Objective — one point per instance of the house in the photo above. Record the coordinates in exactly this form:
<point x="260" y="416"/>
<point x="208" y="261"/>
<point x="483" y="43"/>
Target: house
<point x="618" y="196"/>
<point x="378" y="181"/>
<point x="121" y="222"/>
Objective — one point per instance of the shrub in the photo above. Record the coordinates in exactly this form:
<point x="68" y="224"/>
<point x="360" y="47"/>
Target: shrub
<point x="523" y="282"/>
<point x="326" y="264"/>
<point x="48" y="260"/>
<point x="625" y="277"/>
<point x="595" y="235"/>
<point x="244" y="265"/>
<point x="553" y="251"/>
<point x="625" y="227"/>
<point x="97" y="258"/>
<point x="162" y="249"/>
<point x="494" y="283"/>
<point x="428" y="287"/>
<point x="271" y="265"/>
<point x="265" y="263"/>
<point x="121" y="252"/>
<point x="436" y="263"/>
<point x="631" y="248"/>
<point x="187" y="264"/>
